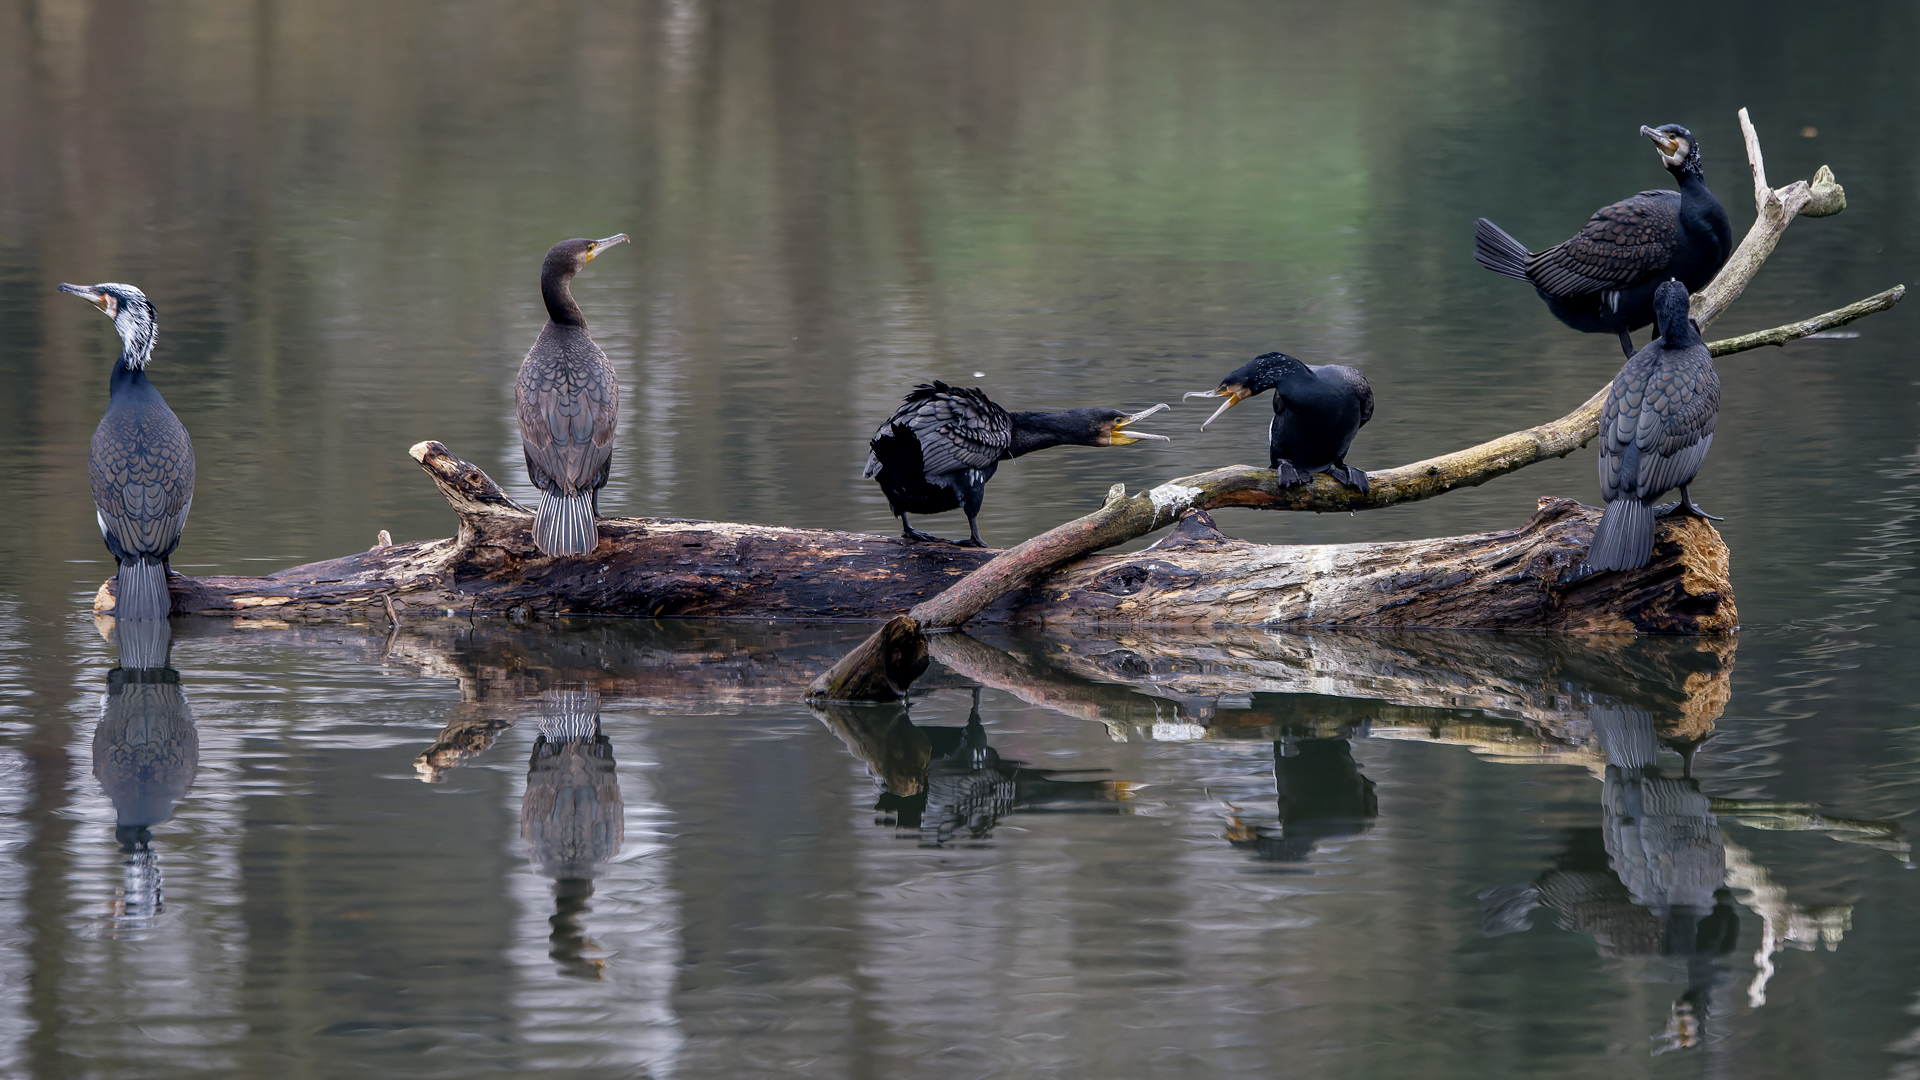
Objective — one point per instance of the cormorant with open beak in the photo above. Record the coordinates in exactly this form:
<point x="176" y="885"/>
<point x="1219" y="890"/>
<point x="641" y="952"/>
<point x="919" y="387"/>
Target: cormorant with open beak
<point x="1601" y="281"/>
<point x="1317" y="410"/>
<point x="568" y="402"/>
<point x="938" y="449"/>
<point x="140" y="462"/>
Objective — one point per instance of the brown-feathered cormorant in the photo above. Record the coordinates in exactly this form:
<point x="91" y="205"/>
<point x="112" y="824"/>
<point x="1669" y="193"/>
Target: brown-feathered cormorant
<point x="1602" y="280"/>
<point x="1317" y="410"/>
<point x="938" y="449"/>
<point x="568" y="401"/>
<point x="1654" y="433"/>
<point x="141" y="461"/>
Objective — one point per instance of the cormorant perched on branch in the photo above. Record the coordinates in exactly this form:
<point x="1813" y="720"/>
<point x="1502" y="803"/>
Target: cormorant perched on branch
<point x="1654" y="433"/>
<point x="141" y="460"/>
<point x="1602" y="280"/>
<point x="938" y="450"/>
<point x="1316" y="413"/>
<point x="568" y="402"/>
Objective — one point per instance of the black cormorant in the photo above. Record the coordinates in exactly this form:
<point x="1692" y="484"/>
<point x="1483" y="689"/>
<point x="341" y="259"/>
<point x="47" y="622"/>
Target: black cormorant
<point x="1602" y="280"/>
<point x="141" y="461"/>
<point x="1317" y="410"/>
<point x="1654" y="433"/>
<point x="938" y="450"/>
<point x="568" y="402"/>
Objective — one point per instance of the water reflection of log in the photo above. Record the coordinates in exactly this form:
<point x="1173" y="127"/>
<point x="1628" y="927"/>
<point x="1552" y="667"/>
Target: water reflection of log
<point x="943" y="784"/>
<point x="146" y="751"/>
<point x="571" y="816"/>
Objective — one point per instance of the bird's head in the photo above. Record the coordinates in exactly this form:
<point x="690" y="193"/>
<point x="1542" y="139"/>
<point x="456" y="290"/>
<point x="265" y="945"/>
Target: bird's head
<point x="1112" y="423"/>
<point x="1671" y="303"/>
<point x="569" y="257"/>
<point x="131" y="312"/>
<point x="1256" y="376"/>
<point x="1678" y="151"/>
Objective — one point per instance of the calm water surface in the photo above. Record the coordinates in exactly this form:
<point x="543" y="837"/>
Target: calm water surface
<point x="625" y="849"/>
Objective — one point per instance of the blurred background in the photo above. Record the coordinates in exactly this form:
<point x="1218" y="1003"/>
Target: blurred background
<point x="339" y="210"/>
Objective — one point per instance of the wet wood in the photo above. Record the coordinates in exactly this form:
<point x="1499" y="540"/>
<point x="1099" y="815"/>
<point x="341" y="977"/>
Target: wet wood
<point x="1508" y="580"/>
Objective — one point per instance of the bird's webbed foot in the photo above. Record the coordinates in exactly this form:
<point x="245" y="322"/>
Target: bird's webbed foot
<point x="908" y="532"/>
<point x="1350" y="476"/>
<point x="1684" y="508"/>
<point x="1288" y="474"/>
<point x="971" y="541"/>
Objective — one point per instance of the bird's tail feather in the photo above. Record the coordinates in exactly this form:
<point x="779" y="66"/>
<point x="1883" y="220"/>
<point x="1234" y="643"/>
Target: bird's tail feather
<point x="141" y="590"/>
<point x="564" y="524"/>
<point x="1498" y="252"/>
<point x="1624" y="538"/>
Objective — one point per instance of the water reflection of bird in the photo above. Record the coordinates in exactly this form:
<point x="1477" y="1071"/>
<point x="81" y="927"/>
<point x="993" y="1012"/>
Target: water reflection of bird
<point x="145" y="753"/>
<point x="1655" y="430"/>
<point x="947" y="783"/>
<point x="568" y="401"/>
<point x="1652" y="885"/>
<point x="571" y="817"/>
<point x="1317" y="410"/>
<point x="1601" y="280"/>
<point x="1323" y="796"/>
<point x="141" y="460"/>
<point x="939" y="448"/>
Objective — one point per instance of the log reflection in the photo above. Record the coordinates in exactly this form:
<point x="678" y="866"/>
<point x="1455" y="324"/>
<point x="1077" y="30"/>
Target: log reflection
<point x="572" y="817"/>
<point x="145" y="753"/>
<point x="944" y="784"/>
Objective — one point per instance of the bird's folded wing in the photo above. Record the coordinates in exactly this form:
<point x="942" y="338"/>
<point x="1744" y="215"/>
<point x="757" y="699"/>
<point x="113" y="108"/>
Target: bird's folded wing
<point x="1622" y="245"/>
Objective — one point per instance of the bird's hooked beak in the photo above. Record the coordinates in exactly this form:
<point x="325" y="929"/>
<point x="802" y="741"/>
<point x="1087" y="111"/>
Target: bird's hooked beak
<point x="1233" y="392"/>
<point x="104" y="301"/>
<point x="1673" y="149"/>
<point x="1118" y="438"/>
<point x="602" y="245"/>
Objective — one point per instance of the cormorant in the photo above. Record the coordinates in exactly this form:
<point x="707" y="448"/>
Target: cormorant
<point x="141" y="461"/>
<point x="1317" y="410"/>
<point x="572" y="816"/>
<point x="1602" y="280"/>
<point x="568" y="401"/>
<point x="938" y="450"/>
<point x="1654" y="433"/>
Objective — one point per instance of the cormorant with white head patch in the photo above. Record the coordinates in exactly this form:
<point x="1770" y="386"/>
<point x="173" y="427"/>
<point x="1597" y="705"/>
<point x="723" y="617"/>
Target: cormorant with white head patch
<point x="140" y="462"/>
<point x="1601" y="281"/>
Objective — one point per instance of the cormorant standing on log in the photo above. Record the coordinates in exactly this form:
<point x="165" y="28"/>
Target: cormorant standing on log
<point x="568" y="402"/>
<point x="1654" y="433"/>
<point x="1601" y="281"/>
<point x="938" y="449"/>
<point x="141" y="460"/>
<point x="1317" y="410"/>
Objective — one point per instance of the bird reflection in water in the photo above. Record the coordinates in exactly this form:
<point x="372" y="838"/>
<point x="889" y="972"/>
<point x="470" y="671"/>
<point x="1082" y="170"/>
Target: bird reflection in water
<point x="1650" y="882"/>
<point x="942" y="785"/>
<point x="571" y="817"/>
<point x="145" y="754"/>
<point x="1323" y="796"/>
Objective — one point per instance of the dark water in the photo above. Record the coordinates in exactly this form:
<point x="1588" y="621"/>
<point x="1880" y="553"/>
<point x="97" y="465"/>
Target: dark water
<point x="1246" y="854"/>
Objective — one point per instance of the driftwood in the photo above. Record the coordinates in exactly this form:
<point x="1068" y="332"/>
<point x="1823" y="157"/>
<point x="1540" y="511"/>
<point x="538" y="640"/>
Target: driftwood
<point x="1123" y="519"/>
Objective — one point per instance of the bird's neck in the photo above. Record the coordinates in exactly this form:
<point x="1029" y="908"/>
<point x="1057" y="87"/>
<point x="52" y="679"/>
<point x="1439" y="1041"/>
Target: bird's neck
<point x="1693" y="182"/>
<point x="135" y="351"/>
<point x="555" y="289"/>
<point x="1040" y="430"/>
